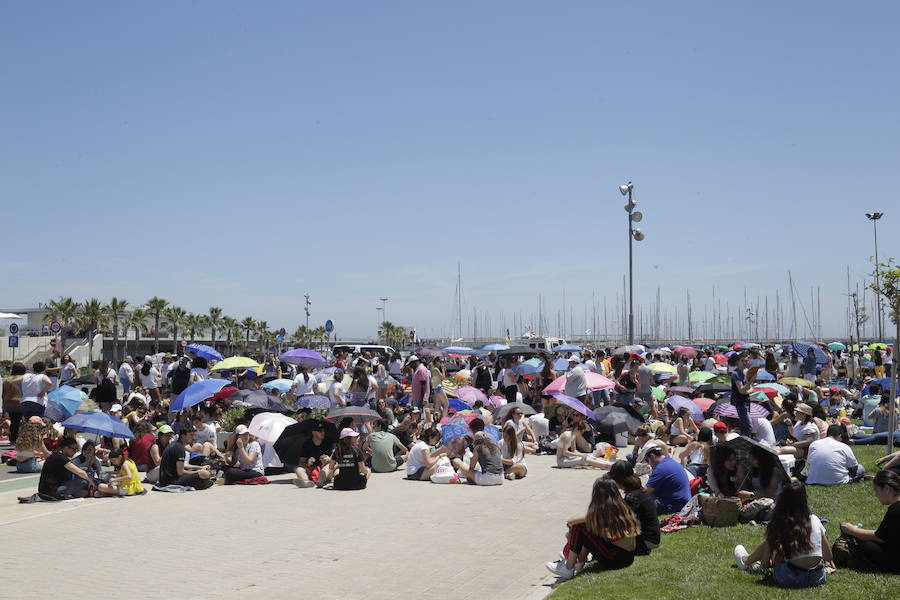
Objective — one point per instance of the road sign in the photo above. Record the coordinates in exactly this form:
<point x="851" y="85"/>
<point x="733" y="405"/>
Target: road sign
<point x="13" y="341"/>
<point x="55" y="327"/>
<point x="13" y="329"/>
<point x="279" y="338"/>
<point x="329" y="326"/>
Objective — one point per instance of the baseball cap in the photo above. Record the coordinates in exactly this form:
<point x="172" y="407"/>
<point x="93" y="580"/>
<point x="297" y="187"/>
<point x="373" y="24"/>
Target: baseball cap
<point x="720" y="427"/>
<point x="115" y="407"/>
<point x="411" y="358"/>
<point x="164" y="429"/>
<point x="241" y="429"/>
<point x="347" y="432"/>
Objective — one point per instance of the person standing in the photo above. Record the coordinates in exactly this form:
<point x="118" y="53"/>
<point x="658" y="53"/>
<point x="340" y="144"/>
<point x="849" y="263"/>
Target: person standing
<point x="126" y="375"/>
<point x="740" y="395"/>
<point x="35" y="386"/>
<point x="12" y="398"/>
<point x="809" y="365"/>
<point x="421" y="381"/>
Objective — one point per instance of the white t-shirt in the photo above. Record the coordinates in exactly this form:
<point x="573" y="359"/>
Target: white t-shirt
<point x="336" y="394"/>
<point x="763" y="432"/>
<point x="829" y="462"/>
<point x="199" y="374"/>
<point x="817" y="530"/>
<point x="205" y="433"/>
<point x="416" y="457"/>
<point x="505" y="453"/>
<point x="67" y="372"/>
<point x="575" y="383"/>
<point x="33" y="388"/>
<point x="256" y="465"/>
<point x="396" y="367"/>
<point x="151" y="381"/>
<point x="709" y="364"/>
<point x="126" y="372"/>
<point x="304" y="388"/>
<point x="803" y="430"/>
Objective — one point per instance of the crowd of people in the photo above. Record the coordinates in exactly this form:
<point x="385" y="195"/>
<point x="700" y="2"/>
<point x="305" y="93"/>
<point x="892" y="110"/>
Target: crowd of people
<point x="706" y="424"/>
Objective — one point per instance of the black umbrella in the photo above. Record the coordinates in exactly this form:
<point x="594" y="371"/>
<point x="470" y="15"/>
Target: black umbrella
<point x="258" y="399"/>
<point x="502" y="413"/>
<point x="742" y="446"/>
<point x="713" y="386"/>
<point x="83" y="380"/>
<point x="520" y="351"/>
<point x="290" y="442"/>
<point x="360" y="415"/>
<point x="611" y="420"/>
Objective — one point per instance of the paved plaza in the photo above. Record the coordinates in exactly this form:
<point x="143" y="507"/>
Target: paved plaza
<point x="396" y="539"/>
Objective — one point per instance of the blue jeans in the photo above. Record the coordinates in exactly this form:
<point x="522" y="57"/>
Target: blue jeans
<point x="874" y="439"/>
<point x="72" y="487"/>
<point x="29" y="465"/>
<point x="743" y="412"/>
<point x="126" y="385"/>
<point x="789" y="576"/>
<point x="625" y="399"/>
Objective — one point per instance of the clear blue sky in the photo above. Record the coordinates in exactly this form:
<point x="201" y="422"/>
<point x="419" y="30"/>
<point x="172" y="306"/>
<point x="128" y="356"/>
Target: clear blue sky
<point x="242" y="154"/>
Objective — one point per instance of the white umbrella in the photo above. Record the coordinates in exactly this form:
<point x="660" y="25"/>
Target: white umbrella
<point x="268" y="426"/>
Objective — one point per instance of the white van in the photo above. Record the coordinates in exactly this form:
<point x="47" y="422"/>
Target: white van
<point x="540" y="343"/>
<point x="385" y="351"/>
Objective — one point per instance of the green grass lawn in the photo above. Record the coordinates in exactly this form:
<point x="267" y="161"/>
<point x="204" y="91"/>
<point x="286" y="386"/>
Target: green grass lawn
<point x="697" y="562"/>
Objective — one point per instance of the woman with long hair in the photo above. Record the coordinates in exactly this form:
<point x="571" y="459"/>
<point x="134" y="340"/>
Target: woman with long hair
<point x="683" y="429"/>
<point x="608" y="531"/>
<point x="30" y="448"/>
<point x="765" y="473"/>
<point x="879" y="550"/>
<point x="199" y="370"/>
<point x="486" y="454"/>
<point x="359" y="387"/>
<point x="512" y="453"/>
<point x="304" y="383"/>
<point x="722" y="475"/>
<point x="639" y="501"/>
<point x="695" y="456"/>
<point x="150" y="379"/>
<point x="438" y="375"/>
<point x="796" y="545"/>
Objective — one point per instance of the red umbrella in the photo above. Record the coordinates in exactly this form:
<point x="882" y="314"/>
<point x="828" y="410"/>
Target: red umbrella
<point x="688" y="351"/>
<point x="769" y="392"/>
<point x="703" y="403"/>
<point x="720" y="359"/>
<point x="225" y="392"/>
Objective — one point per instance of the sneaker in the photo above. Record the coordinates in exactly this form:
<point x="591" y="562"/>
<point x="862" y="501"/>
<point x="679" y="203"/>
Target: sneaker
<point x="303" y="484"/>
<point x="755" y="567"/>
<point x="560" y="569"/>
<point x="740" y="554"/>
<point x="510" y="476"/>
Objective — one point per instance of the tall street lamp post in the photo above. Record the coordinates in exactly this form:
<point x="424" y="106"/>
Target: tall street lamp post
<point x="634" y="234"/>
<point x="874" y="218"/>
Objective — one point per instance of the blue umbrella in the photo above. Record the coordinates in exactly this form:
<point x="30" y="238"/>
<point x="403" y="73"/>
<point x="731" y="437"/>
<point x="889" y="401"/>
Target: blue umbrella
<point x="205" y="351"/>
<point x="100" y="424"/>
<point x="197" y="393"/>
<point x="561" y="364"/>
<point x="763" y="375"/>
<point x="679" y="402"/>
<point x="313" y="402"/>
<point x="459" y="350"/>
<point x="451" y="431"/>
<point x="566" y="348"/>
<point x="282" y="386"/>
<point x="63" y="402"/>
<point x="801" y="348"/>
<point x="528" y="369"/>
<point x="458" y="405"/>
<point x="302" y="356"/>
<point x="495" y="347"/>
<point x="884" y="382"/>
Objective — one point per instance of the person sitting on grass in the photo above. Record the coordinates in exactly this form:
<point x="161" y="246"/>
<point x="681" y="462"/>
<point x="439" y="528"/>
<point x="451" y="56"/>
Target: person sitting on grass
<point x="722" y="476"/>
<point x="890" y="462"/>
<point x="247" y="457"/>
<point x="56" y="481"/>
<point x="174" y="469"/>
<point x="608" y="531"/>
<point x="486" y="455"/>
<point x="639" y="501"/>
<point x="423" y="457"/>
<point x="668" y="483"/>
<point x="127" y="481"/>
<point x="387" y="453"/>
<point x="348" y="466"/>
<point x="695" y="456"/>
<point x="879" y="550"/>
<point x="831" y="461"/>
<point x="567" y="454"/>
<point x="512" y="454"/>
<point x="796" y="545"/>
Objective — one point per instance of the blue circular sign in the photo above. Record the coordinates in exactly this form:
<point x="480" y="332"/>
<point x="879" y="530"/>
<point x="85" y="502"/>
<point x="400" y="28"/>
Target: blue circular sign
<point x="329" y="326"/>
<point x="13" y="329"/>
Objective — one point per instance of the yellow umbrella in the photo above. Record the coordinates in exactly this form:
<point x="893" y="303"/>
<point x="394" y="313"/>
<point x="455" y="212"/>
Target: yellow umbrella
<point x="661" y="367"/>
<point x="795" y="381"/>
<point x="236" y="362"/>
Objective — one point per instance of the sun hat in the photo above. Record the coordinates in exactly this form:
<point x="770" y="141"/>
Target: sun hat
<point x="241" y="429"/>
<point x="347" y="432"/>
<point x="720" y="427"/>
<point x="806" y="409"/>
<point x="163" y="429"/>
<point x="136" y="396"/>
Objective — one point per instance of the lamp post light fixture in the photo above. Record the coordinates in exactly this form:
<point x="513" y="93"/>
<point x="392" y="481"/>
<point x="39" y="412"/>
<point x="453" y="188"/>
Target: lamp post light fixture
<point x="634" y="234"/>
<point x="308" y="304"/>
<point x="384" y="308"/>
<point x="874" y="216"/>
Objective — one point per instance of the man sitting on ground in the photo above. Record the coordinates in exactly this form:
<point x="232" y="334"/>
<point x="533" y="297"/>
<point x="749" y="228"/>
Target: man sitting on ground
<point x="387" y="453"/>
<point x="668" y="483"/>
<point x="831" y="461"/>
<point x="174" y="468"/>
<point x="311" y="455"/>
<point x="55" y="480"/>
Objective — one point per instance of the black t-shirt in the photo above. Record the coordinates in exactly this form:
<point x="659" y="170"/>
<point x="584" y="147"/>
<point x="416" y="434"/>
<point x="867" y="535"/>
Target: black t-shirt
<point x="180" y="378"/>
<point x="168" y="465"/>
<point x="888" y="531"/>
<point x="310" y="450"/>
<point x="645" y="509"/>
<point x="737" y="378"/>
<point x="348" y="476"/>
<point x="53" y="474"/>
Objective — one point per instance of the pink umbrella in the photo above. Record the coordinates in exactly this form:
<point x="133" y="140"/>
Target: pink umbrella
<point x="496" y="401"/>
<point x="594" y="381"/>
<point x="469" y="395"/>
<point x="462" y="416"/>
<point x="703" y="403"/>
<point x="688" y="351"/>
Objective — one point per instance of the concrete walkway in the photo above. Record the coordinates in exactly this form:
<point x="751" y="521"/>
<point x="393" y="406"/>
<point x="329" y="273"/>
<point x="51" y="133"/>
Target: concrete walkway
<point x="396" y="539"/>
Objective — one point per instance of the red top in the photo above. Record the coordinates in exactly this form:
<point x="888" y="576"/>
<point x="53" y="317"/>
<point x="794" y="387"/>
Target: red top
<point x="140" y="449"/>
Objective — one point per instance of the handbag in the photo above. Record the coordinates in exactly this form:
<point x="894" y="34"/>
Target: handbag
<point x="842" y="549"/>
<point x="719" y="512"/>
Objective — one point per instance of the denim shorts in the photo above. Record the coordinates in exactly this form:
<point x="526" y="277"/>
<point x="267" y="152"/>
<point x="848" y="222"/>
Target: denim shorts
<point x="437" y="390"/>
<point x="787" y="575"/>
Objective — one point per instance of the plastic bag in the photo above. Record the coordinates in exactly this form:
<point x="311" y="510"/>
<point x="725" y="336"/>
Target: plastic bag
<point x="444" y="472"/>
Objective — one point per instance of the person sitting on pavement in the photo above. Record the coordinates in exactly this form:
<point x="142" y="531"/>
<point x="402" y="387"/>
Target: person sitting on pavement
<point x="796" y="545"/>
<point x="88" y="461"/>
<point x="608" y="531"/>
<point x="423" y="457"/>
<point x="31" y="452"/>
<point x="639" y="501"/>
<point x="831" y="461"/>
<point x="247" y="457"/>
<point x="486" y="455"/>
<point x="512" y="454"/>
<point x="879" y="550"/>
<point x="523" y="430"/>
<point x="204" y="439"/>
<point x="127" y="481"/>
<point x="163" y="438"/>
<point x="312" y="453"/>
<point x="683" y="430"/>
<point x="668" y="483"/>
<point x="139" y="447"/>
<point x="385" y="449"/>
<point x="174" y="468"/>
<point x="567" y="454"/>
<point x="347" y="469"/>
<point x="56" y="480"/>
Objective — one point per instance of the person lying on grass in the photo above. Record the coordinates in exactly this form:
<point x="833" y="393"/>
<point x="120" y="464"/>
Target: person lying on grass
<point x="608" y="532"/>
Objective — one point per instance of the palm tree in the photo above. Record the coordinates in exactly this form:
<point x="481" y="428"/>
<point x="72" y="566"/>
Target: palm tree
<point x="155" y="306"/>
<point x="214" y="320"/>
<point x="262" y="330"/>
<point x="137" y="320"/>
<point x="116" y="312"/>
<point x="176" y="316"/>
<point x="301" y="336"/>
<point x="319" y="334"/>
<point x="194" y="323"/>
<point x="63" y="310"/>
<point x="392" y="334"/>
<point x="228" y="326"/>
<point x="248" y="325"/>
<point x="93" y="316"/>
